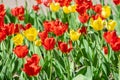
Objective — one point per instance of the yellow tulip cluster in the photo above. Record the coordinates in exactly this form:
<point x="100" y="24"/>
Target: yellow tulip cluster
<point x="30" y="34"/>
<point x="99" y="24"/>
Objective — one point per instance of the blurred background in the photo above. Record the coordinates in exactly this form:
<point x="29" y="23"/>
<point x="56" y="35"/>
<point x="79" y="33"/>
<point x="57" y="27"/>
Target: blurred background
<point x="14" y="3"/>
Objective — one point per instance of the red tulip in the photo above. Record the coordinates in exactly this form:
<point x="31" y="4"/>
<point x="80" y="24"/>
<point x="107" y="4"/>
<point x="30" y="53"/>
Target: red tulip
<point x="81" y="9"/>
<point x="116" y="46"/>
<point x="64" y="46"/>
<point x="12" y="28"/>
<point x="38" y="1"/>
<point x="43" y="35"/>
<point x="97" y="8"/>
<point x="35" y="7"/>
<point x="21" y="51"/>
<point x="105" y="49"/>
<point x="117" y="2"/>
<point x="110" y="37"/>
<point x="34" y="59"/>
<point x="18" y="12"/>
<point x="48" y="26"/>
<point x="82" y="30"/>
<point x="2" y="15"/>
<point x="31" y="68"/>
<point x="59" y="28"/>
<point x="2" y="35"/>
<point x="27" y="26"/>
<point x="47" y="2"/>
<point x="49" y="43"/>
<point x="84" y="18"/>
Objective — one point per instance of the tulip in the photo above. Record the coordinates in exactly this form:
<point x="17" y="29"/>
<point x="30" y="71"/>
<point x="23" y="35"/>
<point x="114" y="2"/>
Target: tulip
<point x="2" y="35"/>
<point x="83" y="18"/>
<point x="111" y="25"/>
<point x="105" y="49"/>
<point x="38" y="43"/>
<point x="49" y="43"/>
<point x="18" y="39"/>
<point x="97" y="24"/>
<point x="66" y="9"/>
<point x="32" y="68"/>
<point x="21" y="51"/>
<point x="74" y="35"/>
<point x="31" y="34"/>
<point x="72" y="8"/>
<point x="64" y="47"/>
<point x="54" y="7"/>
<point x="35" y="7"/>
<point x="106" y="11"/>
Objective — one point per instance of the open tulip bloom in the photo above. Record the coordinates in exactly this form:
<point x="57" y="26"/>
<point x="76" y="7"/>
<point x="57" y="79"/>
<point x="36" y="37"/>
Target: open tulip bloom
<point x="60" y="40"/>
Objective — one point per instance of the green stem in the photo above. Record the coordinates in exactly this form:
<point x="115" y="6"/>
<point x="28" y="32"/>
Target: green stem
<point x="67" y="66"/>
<point x="51" y="65"/>
<point x="119" y="66"/>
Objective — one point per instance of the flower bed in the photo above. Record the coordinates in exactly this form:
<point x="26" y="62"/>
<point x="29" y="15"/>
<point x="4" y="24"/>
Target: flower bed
<point x="65" y="40"/>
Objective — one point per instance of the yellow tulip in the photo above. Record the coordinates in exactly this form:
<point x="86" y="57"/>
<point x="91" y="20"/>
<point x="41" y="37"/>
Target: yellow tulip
<point x="38" y="43"/>
<point x="72" y="8"/>
<point x="74" y="35"/>
<point x="106" y="11"/>
<point x="54" y="7"/>
<point x="31" y="34"/>
<point x="111" y="25"/>
<point x="97" y="24"/>
<point x="66" y="9"/>
<point x="18" y="39"/>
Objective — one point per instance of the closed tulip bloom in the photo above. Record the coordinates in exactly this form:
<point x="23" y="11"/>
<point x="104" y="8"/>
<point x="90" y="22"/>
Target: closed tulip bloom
<point x="97" y="24"/>
<point x="74" y="35"/>
<point x="66" y="10"/>
<point x="64" y="47"/>
<point x="105" y="50"/>
<point x="111" y="25"/>
<point x="49" y="43"/>
<point x="106" y="11"/>
<point x="21" y="51"/>
<point x="18" y="39"/>
<point x="31" y="34"/>
<point x="35" y="7"/>
<point x="38" y="42"/>
<point x="54" y="7"/>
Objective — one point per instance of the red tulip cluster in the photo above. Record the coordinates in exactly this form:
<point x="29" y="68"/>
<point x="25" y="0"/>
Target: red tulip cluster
<point x="112" y="39"/>
<point x="61" y="2"/>
<point x="58" y="28"/>
<point x="82" y="7"/>
<point x="64" y="2"/>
